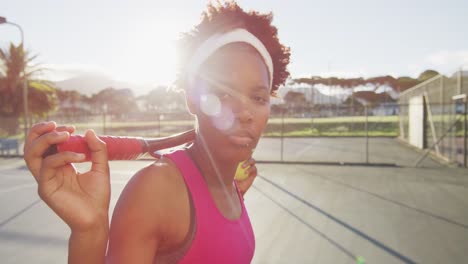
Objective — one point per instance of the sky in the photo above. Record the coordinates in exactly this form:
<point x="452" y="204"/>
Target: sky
<point x="134" y="40"/>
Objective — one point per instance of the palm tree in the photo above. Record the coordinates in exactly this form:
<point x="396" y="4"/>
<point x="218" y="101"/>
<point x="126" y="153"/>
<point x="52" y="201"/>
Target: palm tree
<point x="15" y="69"/>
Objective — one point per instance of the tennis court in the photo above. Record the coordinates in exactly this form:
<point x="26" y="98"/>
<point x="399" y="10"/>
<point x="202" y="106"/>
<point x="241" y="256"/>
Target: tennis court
<point x="386" y="151"/>
<point x="301" y="213"/>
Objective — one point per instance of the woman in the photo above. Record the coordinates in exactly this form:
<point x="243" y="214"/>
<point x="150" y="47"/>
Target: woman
<point x="186" y="207"/>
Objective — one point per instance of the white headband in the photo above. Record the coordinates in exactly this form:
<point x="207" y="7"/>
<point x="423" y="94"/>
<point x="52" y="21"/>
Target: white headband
<point x="215" y="42"/>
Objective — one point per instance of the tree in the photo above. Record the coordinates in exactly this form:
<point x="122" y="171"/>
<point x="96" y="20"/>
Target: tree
<point x="427" y="74"/>
<point x="295" y="99"/>
<point x="161" y="99"/>
<point x="70" y="101"/>
<point x="155" y="99"/>
<point x="15" y="69"/>
<point x="42" y="98"/>
<point x="117" y="101"/>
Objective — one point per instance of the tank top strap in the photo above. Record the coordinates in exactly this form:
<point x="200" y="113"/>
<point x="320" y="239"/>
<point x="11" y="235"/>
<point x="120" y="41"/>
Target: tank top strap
<point x="241" y="198"/>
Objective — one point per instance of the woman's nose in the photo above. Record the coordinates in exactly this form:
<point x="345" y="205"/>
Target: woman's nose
<point x="242" y="109"/>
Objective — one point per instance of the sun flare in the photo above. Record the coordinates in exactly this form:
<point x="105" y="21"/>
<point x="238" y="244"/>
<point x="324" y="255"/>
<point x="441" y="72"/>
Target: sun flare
<point x="148" y="57"/>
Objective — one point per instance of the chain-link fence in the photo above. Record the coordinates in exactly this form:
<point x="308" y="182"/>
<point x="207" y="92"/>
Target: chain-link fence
<point x="138" y="124"/>
<point x="325" y="134"/>
<point x="345" y="134"/>
<point x="10" y="136"/>
<point x="338" y="134"/>
<point x="433" y="116"/>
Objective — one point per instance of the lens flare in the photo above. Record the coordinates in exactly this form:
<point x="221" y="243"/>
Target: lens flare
<point x="225" y="120"/>
<point x="210" y="104"/>
<point x="221" y="115"/>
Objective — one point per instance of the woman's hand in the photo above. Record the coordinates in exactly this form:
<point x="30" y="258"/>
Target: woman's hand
<point x="80" y="199"/>
<point x="245" y="184"/>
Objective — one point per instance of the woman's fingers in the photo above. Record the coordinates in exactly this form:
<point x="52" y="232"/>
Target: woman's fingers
<point x="33" y="154"/>
<point x="39" y="146"/>
<point x="252" y="171"/>
<point x="39" y="138"/>
<point x="250" y="167"/>
<point x="249" y="163"/>
<point x="52" y="163"/>
<point x="52" y="166"/>
<point x="38" y="130"/>
<point x="69" y="129"/>
<point x="98" y="153"/>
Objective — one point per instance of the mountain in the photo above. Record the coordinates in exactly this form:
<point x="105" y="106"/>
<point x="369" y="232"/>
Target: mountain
<point x="91" y="83"/>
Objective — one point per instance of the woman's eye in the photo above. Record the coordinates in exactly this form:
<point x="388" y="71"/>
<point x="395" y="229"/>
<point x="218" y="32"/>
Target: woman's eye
<point x="225" y="96"/>
<point x="260" y="99"/>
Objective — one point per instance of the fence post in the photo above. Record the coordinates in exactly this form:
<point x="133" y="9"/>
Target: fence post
<point x="367" y="133"/>
<point x="282" y="132"/>
<point x="465" y="126"/>
<point x="104" y="119"/>
<point x="443" y="120"/>
<point x="159" y="125"/>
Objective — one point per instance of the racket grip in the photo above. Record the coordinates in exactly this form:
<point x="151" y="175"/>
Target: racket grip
<point x="118" y="148"/>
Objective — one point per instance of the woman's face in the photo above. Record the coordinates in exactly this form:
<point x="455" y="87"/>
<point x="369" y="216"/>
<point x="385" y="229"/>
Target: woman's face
<point x="231" y="99"/>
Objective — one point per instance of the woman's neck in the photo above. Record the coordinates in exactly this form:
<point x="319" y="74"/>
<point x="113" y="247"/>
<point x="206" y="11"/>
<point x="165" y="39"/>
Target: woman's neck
<point x="217" y="173"/>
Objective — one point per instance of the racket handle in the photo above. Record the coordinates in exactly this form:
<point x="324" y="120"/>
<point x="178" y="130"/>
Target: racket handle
<point x="123" y="148"/>
<point x="118" y="148"/>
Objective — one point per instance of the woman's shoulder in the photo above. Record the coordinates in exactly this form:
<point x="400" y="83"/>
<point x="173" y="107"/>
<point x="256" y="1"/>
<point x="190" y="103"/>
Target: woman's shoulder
<point x="157" y="180"/>
<point x="147" y="209"/>
<point x="155" y="195"/>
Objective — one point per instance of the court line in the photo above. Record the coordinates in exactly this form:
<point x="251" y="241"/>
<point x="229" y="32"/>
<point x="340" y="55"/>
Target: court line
<point x="442" y="218"/>
<point x="19" y="213"/>
<point x="358" y="232"/>
<point x="32" y="239"/>
<point x="24" y="186"/>
<point x="35" y="202"/>
<point x="333" y="242"/>
<point x="17" y="187"/>
<point x="304" y="150"/>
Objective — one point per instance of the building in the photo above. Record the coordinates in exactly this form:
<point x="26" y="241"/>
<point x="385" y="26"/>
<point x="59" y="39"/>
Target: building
<point x="433" y="116"/>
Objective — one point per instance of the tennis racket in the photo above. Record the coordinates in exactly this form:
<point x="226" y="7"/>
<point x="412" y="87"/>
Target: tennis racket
<point x="123" y="148"/>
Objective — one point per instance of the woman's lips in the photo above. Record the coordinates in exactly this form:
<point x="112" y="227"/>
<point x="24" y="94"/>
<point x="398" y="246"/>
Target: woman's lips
<point x="243" y="141"/>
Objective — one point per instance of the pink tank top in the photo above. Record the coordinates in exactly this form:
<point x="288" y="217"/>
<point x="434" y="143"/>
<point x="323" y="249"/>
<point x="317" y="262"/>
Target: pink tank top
<point x="217" y="239"/>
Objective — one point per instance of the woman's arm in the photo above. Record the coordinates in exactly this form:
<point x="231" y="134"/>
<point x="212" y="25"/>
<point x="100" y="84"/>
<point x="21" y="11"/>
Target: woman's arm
<point x="138" y="223"/>
<point x="81" y="200"/>
<point x="140" y="217"/>
<point x="88" y="247"/>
